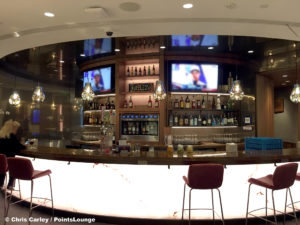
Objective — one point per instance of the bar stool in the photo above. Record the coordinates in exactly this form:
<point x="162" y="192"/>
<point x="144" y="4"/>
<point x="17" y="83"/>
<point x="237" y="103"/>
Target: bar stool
<point x="282" y="178"/>
<point x="22" y="169"/>
<point x="203" y="177"/>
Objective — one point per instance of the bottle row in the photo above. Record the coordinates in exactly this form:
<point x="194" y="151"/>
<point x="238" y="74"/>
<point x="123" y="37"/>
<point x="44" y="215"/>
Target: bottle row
<point x="139" y="128"/>
<point x="99" y="106"/>
<point x="141" y="71"/>
<point x="105" y="118"/>
<point x="141" y="43"/>
<point x="149" y="104"/>
<point x="214" y="103"/>
<point x="225" y="119"/>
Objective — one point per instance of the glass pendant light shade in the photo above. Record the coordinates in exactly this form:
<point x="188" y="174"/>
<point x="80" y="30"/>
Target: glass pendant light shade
<point x="76" y="104"/>
<point x="236" y="92"/>
<point x="53" y="106"/>
<point x="88" y="93"/>
<point x="14" y="99"/>
<point x="38" y="94"/>
<point x="160" y="92"/>
<point x="295" y="94"/>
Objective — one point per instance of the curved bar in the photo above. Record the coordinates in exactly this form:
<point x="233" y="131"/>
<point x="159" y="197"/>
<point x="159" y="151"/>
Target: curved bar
<point x="162" y="158"/>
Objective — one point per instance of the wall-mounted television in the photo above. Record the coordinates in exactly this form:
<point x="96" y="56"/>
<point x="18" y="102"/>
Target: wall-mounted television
<point x="93" y="47"/>
<point x="194" y="40"/>
<point x="101" y="79"/>
<point x="202" y="77"/>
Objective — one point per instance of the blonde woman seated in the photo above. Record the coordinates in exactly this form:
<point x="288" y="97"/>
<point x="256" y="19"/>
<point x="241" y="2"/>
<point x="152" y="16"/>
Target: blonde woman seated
<point x="9" y="145"/>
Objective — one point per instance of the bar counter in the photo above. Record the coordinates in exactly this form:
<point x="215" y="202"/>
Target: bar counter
<point x="162" y="158"/>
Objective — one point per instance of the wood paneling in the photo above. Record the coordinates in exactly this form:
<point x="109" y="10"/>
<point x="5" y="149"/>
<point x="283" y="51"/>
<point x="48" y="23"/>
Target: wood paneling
<point x="264" y="106"/>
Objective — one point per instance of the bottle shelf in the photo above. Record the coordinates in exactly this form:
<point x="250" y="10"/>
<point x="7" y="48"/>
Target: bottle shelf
<point x="136" y="93"/>
<point x="139" y="109"/>
<point x="200" y="93"/>
<point x="105" y="95"/>
<point x="143" y="77"/>
<point x="204" y="110"/>
<point x="95" y="125"/>
<point x="203" y="127"/>
<point x="98" y="110"/>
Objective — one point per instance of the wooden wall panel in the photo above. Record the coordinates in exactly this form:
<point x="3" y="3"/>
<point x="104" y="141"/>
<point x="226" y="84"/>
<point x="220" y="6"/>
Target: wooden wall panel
<point x="264" y="106"/>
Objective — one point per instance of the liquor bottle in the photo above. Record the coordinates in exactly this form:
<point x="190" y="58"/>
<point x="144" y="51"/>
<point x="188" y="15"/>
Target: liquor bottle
<point x="203" y="106"/>
<point x="153" y="70"/>
<point x="129" y="129"/>
<point x="143" y="128"/>
<point x="156" y="103"/>
<point x="191" y="121"/>
<point x="107" y="105"/>
<point x="181" y="103"/>
<point x="171" y="120"/>
<point x="213" y="121"/>
<point x="218" y="106"/>
<point x="135" y="71"/>
<point x="112" y="105"/>
<point x="149" y="70"/>
<point x="125" y="129"/>
<point x="132" y="73"/>
<point x="140" y="71"/>
<point x="90" y="120"/>
<point x="149" y="102"/>
<point x="204" y="121"/>
<point x="199" y="120"/>
<point x="213" y="104"/>
<point x="125" y="105"/>
<point x="144" y="71"/>
<point x="133" y="129"/>
<point x="137" y="129"/>
<point x="222" y="120"/>
<point x="194" y="105"/>
<point x="128" y="72"/>
<point x="229" y="81"/>
<point x="186" y="120"/>
<point x="176" y="104"/>
<point x="181" y="120"/>
<point x="236" y="123"/>
<point x="199" y="105"/>
<point x="187" y="102"/>
<point x="209" y="121"/>
<point x="195" y="121"/>
<point x="230" y="119"/>
<point x="225" y="120"/>
<point x="175" y="120"/>
<point x="130" y="103"/>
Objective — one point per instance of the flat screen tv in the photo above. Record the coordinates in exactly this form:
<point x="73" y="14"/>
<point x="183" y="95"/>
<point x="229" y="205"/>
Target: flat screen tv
<point x="194" y="40"/>
<point x="194" y="77"/>
<point x="101" y="79"/>
<point x="98" y="46"/>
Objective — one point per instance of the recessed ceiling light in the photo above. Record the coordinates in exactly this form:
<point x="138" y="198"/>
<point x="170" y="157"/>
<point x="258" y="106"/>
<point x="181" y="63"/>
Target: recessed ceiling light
<point x="117" y="50"/>
<point x="251" y="51"/>
<point x="283" y="84"/>
<point x="270" y="53"/>
<point x="162" y="47"/>
<point x="210" y="48"/>
<point x="231" y="5"/>
<point x="49" y="14"/>
<point x="188" y="6"/>
<point x="285" y="75"/>
<point x="61" y="61"/>
<point x="130" y="6"/>
<point x="287" y="81"/>
<point x="294" y="45"/>
<point x="16" y="34"/>
<point x="82" y="55"/>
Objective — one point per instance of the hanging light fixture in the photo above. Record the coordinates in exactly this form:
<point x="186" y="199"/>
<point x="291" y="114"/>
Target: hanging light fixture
<point x="160" y="92"/>
<point x="88" y="93"/>
<point x="295" y="94"/>
<point x="236" y="92"/>
<point x="76" y="104"/>
<point x="14" y="98"/>
<point x="53" y="106"/>
<point x="38" y="95"/>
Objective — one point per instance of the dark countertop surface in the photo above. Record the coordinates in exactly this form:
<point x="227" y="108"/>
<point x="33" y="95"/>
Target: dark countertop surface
<point x="162" y="158"/>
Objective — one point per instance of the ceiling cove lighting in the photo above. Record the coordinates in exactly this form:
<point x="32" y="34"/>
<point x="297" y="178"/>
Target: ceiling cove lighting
<point x="117" y="50"/>
<point x="285" y="75"/>
<point x="250" y="51"/>
<point x="38" y="95"/>
<point x="87" y="93"/>
<point x="295" y="94"/>
<point x="49" y="14"/>
<point x="162" y="47"/>
<point x="188" y="6"/>
<point x="160" y="92"/>
<point x="210" y="48"/>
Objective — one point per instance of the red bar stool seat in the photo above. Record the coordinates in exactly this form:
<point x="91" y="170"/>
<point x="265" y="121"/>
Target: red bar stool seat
<point x="283" y="178"/>
<point x="22" y="169"/>
<point x="203" y="177"/>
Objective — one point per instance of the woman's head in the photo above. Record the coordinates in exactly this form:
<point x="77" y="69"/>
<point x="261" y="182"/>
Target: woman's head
<point x="9" y="127"/>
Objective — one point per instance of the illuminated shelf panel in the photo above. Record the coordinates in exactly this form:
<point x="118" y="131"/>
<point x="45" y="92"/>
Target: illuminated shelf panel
<point x="139" y="78"/>
<point x="105" y="95"/>
<point x="203" y="127"/>
<point x="98" y="110"/>
<point x="208" y="110"/>
<point x="199" y="93"/>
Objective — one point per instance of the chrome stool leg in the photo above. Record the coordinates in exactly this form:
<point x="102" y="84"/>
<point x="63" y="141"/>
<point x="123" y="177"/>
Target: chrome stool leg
<point x="293" y="206"/>
<point x="182" y="212"/>
<point x="30" y="209"/>
<point x="286" y="196"/>
<point x="221" y="206"/>
<point x="190" y="203"/>
<point x="247" y="210"/>
<point x="213" y="205"/>
<point x="51" y="195"/>
<point x="19" y="189"/>
<point x="266" y="205"/>
<point x="275" y="218"/>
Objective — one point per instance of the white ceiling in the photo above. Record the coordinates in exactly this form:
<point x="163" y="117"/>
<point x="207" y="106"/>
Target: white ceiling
<point x="262" y="18"/>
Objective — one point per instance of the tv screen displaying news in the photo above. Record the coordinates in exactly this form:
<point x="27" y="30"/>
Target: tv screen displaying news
<point x="194" y="40"/>
<point x="97" y="46"/>
<point x="100" y="79"/>
<point x="194" y="77"/>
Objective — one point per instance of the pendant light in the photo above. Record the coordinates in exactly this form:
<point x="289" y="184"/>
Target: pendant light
<point x="236" y="92"/>
<point x="38" y="95"/>
<point x="53" y="106"/>
<point x="295" y="94"/>
<point x="76" y="104"/>
<point x="160" y="92"/>
<point x="88" y="93"/>
<point x="14" y="98"/>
